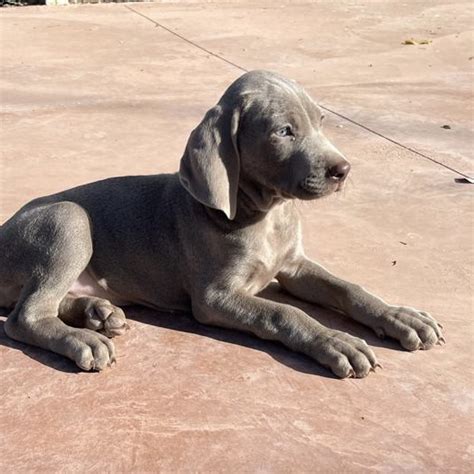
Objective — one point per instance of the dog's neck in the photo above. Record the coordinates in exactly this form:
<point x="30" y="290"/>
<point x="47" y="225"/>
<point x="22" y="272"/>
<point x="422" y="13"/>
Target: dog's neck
<point x="255" y="201"/>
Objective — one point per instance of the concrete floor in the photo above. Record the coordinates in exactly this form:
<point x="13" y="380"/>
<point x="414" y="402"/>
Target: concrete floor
<point x="95" y="91"/>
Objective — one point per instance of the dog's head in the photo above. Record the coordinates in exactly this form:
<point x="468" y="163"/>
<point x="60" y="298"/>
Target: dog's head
<point x="264" y="132"/>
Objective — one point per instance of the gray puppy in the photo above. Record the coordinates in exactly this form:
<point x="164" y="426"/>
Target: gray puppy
<point x="207" y="239"/>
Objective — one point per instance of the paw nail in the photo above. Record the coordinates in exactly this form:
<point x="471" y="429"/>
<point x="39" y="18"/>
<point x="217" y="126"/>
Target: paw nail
<point x="442" y="339"/>
<point x="378" y="365"/>
<point x="380" y="333"/>
<point x="104" y="313"/>
<point x="440" y="325"/>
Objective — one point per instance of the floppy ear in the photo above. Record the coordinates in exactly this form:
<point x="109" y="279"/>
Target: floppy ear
<point x="210" y="166"/>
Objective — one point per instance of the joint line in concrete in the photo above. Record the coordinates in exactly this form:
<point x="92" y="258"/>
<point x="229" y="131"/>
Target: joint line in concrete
<point x="395" y="142"/>
<point x="344" y="117"/>
<point x="159" y="25"/>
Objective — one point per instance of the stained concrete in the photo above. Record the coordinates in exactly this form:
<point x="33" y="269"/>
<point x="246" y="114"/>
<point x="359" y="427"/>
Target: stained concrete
<point x="95" y="91"/>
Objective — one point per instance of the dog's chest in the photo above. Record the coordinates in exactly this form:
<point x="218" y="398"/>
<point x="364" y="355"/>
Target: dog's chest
<point x="268" y="248"/>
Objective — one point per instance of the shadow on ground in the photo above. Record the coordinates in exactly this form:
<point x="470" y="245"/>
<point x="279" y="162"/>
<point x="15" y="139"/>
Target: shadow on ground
<point x="186" y="323"/>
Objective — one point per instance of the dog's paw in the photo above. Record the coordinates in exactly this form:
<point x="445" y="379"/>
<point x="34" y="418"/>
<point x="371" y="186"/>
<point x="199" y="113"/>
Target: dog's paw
<point x="90" y="350"/>
<point x="102" y="316"/>
<point x="414" y="329"/>
<point x="345" y="355"/>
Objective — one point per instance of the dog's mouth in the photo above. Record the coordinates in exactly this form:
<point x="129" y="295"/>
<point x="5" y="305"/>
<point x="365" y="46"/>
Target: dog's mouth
<point x="315" y="186"/>
<point x="313" y="189"/>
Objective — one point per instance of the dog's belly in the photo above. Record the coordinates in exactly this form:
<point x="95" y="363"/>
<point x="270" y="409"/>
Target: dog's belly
<point x="87" y="285"/>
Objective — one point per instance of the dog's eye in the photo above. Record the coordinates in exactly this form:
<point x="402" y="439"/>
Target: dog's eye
<point x="284" y="132"/>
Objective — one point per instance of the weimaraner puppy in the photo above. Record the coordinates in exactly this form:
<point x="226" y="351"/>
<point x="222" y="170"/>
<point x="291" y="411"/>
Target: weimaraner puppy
<point x="207" y="239"/>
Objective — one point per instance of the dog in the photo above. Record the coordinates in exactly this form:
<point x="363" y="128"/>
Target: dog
<point x="207" y="239"/>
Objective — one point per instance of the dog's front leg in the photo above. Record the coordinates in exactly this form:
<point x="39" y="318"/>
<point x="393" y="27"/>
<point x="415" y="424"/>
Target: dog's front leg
<point x="309" y="281"/>
<point x="345" y="355"/>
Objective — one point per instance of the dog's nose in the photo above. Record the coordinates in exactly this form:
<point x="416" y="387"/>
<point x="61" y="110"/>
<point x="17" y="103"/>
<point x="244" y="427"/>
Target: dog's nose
<point x="339" y="171"/>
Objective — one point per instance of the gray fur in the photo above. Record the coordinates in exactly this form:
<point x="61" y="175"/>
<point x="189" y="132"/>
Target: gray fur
<point x="207" y="239"/>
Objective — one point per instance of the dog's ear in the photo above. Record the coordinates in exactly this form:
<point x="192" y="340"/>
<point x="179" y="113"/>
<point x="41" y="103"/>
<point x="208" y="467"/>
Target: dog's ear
<point x="210" y="166"/>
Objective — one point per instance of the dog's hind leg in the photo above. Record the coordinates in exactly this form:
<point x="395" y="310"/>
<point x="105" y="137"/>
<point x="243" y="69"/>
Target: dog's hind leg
<point x="44" y="249"/>
<point x="97" y="314"/>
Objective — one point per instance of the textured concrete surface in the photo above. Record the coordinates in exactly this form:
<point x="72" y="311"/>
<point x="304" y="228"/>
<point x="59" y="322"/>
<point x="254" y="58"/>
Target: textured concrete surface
<point x="95" y="91"/>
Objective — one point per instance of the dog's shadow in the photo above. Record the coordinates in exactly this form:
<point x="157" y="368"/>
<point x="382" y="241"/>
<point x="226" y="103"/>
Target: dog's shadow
<point x="186" y="323"/>
<point x="50" y="359"/>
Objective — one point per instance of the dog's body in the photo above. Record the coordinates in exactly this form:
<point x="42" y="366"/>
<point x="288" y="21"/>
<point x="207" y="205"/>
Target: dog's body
<point x="207" y="240"/>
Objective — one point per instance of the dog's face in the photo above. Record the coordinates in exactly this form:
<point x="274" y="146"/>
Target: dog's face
<point x="282" y="147"/>
<point x="265" y="133"/>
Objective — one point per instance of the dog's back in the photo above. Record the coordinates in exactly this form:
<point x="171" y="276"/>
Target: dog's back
<point x="140" y="239"/>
